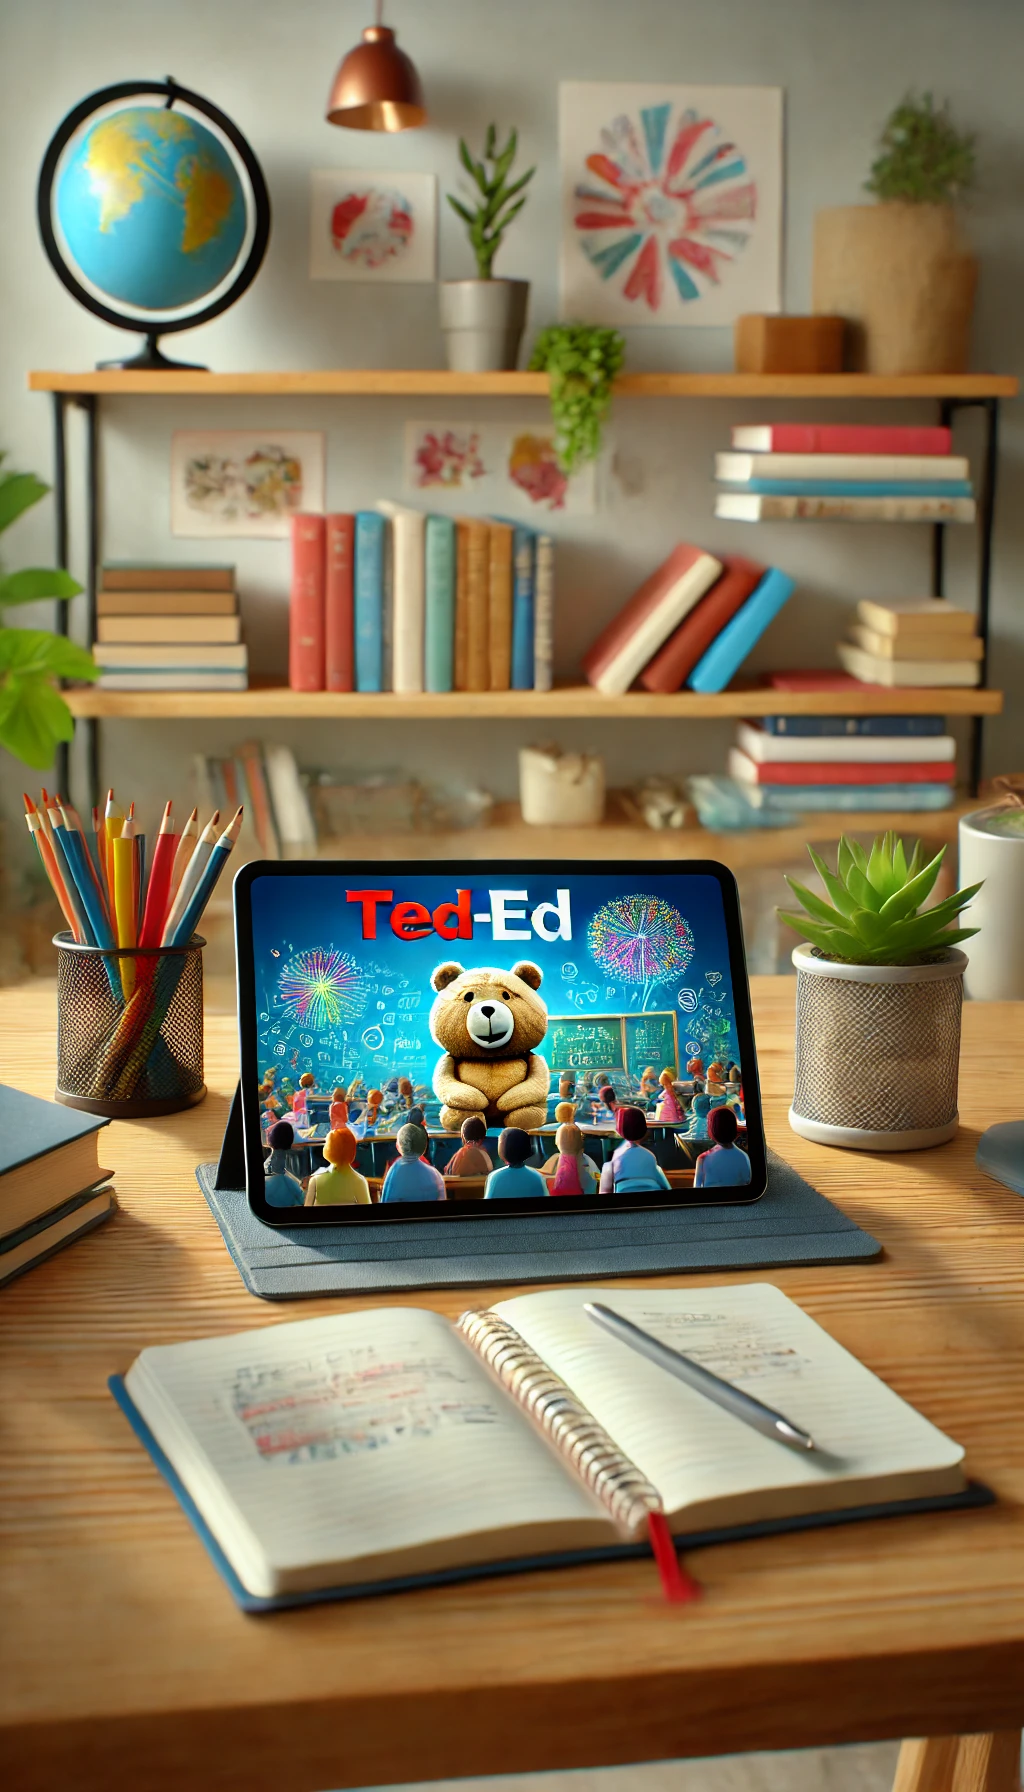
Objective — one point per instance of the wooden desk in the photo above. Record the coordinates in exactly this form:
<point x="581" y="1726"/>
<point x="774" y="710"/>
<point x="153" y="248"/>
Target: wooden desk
<point x="129" y="1665"/>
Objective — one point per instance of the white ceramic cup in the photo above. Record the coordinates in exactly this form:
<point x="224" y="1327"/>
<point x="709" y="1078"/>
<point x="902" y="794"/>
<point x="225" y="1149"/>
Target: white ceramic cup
<point x="995" y="968"/>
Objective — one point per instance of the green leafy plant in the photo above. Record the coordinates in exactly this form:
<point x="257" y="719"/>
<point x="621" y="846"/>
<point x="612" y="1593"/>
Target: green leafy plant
<point x="500" y="202"/>
<point x="581" y="361"/>
<point x="923" y="159"/>
<point x="875" y="914"/>
<point x="33" y="715"/>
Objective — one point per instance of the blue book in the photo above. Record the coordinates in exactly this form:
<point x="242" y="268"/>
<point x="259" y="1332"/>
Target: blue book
<point x="796" y="797"/>
<point x="439" y="604"/>
<point x="856" y="488"/>
<point x="728" y="650"/>
<point x="828" y="727"/>
<point x="368" y="588"/>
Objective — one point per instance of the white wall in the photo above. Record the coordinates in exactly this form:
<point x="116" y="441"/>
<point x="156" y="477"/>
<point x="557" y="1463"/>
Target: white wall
<point x="842" y="64"/>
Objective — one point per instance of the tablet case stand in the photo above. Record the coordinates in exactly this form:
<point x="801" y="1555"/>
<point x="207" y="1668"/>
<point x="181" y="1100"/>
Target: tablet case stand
<point x="791" y="1224"/>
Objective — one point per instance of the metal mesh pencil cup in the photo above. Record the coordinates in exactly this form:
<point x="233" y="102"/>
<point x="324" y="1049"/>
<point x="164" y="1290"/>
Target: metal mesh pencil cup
<point x="129" y="1028"/>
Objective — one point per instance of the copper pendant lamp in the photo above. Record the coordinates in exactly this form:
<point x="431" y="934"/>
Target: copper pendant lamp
<point x="376" y="87"/>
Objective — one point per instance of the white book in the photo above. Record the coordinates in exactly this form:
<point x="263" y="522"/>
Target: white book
<point x="543" y="613"/>
<point x="914" y="616"/>
<point x="360" y="1447"/>
<point x="175" y="658"/>
<point x="293" y="816"/>
<point x="675" y="601"/>
<point x="408" y="538"/>
<point x="845" y="749"/>
<point x="940" y="644"/>
<point x="871" y="669"/>
<point x="180" y="680"/>
<point x="870" y="467"/>
<point x="749" y="507"/>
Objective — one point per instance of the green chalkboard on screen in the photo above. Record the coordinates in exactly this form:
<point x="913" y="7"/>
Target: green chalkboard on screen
<point x="651" y="1039"/>
<point x="584" y="1042"/>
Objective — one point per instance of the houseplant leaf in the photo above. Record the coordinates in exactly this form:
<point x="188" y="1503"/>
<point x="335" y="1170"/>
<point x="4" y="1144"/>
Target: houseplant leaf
<point x="35" y="582"/>
<point x="18" y="492"/>
<point x="34" y="719"/>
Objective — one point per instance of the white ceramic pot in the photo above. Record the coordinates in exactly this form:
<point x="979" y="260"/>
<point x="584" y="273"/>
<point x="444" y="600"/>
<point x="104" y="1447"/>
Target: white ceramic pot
<point x="559" y="789"/>
<point x="877" y="1052"/>
<point x="483" y="323"/>
<point x="995" y="957"/>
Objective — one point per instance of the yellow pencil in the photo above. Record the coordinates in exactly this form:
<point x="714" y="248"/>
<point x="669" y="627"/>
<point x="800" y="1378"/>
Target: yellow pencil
<point x="113" y="822"/>
<point x="122" y="848"/>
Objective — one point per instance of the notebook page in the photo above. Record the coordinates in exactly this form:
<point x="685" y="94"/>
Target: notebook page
<point x="351" y="1437"/>
<point x="753" y="1335"/>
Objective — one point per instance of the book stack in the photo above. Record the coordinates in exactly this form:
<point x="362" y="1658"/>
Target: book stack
<point x="923" y="641"/>
<point x="693" y="622"/>
<point x="169" y="628"/>
<point x="394" y="599"/>
<point x="843" y="472"/>
<point x="52" y="1189"/>
<point x="795" y="764"/>
<point x="277" y="821"/>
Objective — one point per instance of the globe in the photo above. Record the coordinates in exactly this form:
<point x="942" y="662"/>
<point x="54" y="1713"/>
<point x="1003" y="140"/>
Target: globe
<point x="151" y="208"/>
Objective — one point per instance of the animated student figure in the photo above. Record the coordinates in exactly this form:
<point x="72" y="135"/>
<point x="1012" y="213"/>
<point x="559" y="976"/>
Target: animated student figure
<point x="565" y="1115"/>
<point x="280" y="1187"/>
<point x="471" y="1159"/>
<point x="409" y="1178"/>
<point x="668" y="1105"/>
<point x="607" y="1105"/>
<point x="649" y="1084"/>
<point x="340" y="1184"/>
<point x="574" y="1173"/>
<point x="516" y="1179"/>
<point x="307" y="1083"/>
<point x="632" y="1169"/>
<point x="726" y="1165"/>
<point x="339" y="1110"/>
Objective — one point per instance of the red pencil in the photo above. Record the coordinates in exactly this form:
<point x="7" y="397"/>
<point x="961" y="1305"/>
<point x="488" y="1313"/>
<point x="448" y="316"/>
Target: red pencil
<point x="159" y="888"/>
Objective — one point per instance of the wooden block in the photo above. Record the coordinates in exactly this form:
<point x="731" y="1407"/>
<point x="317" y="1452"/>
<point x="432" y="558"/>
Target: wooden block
<point x="766" y="344"/>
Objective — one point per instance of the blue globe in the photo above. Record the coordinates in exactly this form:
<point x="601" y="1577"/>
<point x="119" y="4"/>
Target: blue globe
<point x="151" y="208"/>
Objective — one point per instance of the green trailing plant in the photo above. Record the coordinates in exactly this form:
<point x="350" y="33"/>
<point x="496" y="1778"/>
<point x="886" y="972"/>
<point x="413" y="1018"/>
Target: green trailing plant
<point x="500" y="201"/>
<point x="875" y="915"/>
<point x="581" y="361"/>
<point x="34" y="717"/>
<point x="923" y="159"/>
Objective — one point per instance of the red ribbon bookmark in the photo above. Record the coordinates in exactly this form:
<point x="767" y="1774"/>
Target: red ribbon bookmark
<point x="678" y="1586"/>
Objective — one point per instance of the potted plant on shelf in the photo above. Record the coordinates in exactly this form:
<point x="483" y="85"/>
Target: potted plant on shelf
<point x="581" y="361"/>
<point x="898" y="271"/>
<point x="878" y="997"/>
<point x="483" y="319"/>
<point x="34" y="717"/>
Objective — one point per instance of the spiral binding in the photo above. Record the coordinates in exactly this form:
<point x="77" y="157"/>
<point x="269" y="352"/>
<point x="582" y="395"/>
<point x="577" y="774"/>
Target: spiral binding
<point x="596" y="1458"/>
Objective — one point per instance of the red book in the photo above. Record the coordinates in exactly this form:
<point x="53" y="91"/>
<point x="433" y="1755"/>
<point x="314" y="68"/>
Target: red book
<point x="671" y="667"/>
<point x="632" y="637"/>
<point x="841" y="438"/>
<point x="338" y="603"/>
<point x="826" y="680"/>
<point x="750" y="771"/>
<point x="306" y="617"/>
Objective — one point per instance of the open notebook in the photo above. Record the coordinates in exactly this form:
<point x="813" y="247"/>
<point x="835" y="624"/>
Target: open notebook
<point x="383" y="1447"/>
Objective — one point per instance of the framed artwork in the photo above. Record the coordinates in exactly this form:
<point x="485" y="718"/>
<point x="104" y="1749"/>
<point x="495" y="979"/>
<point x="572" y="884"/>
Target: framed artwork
<point x="493" y="468"/>
<point x="367" y="225"/>
<point x="671" y="202"/>
<point x="228" y="482"/>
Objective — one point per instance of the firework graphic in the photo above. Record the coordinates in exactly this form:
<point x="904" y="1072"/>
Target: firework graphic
<point x="641" y="941"/>
<point x="320" y="988"/>
<point x="666" y="206"/>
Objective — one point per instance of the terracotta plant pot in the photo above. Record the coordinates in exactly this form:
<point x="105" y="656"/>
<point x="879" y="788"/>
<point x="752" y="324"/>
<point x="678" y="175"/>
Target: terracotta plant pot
<point x="483" y="322"/>
<point x="877" y="1051"/>
<point x="900" y="276"/>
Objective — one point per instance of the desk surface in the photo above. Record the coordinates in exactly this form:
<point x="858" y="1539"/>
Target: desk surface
<point x="129" y="1663"/>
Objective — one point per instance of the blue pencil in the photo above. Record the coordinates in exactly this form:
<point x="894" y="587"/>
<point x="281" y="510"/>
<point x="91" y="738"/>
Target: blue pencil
<point x="204" y="888"/>
<point x="63" y="858"/>
<point x="99" y="926"/>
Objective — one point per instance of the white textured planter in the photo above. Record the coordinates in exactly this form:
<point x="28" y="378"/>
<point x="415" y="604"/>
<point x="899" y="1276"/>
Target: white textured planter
<point x="483" y="323"/>
<point x="995" y="957"/>
<point x="877" y="1052"/>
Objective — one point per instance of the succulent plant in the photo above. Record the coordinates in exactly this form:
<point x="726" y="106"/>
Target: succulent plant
<point x="875" y="914"/>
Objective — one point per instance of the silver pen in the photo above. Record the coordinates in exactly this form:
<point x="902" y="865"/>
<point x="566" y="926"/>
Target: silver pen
<point x="723" y="1393"/>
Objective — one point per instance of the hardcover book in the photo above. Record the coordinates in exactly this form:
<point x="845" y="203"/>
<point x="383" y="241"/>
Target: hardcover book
<point x="831" y="771"/>
<point x="369" y="601"/>
<point x="439" y="573"/>
<point x="673" y="663"/>
<point x="831" y="727"/>
<point x="914" y="617"/>
<point x="158" y="575"/>
<point x="726" y="654"/>
<point x="849" y="798"/>
<point x="870" y="668"/>
<point x="306" y="605"/>
<point x="543" y="612"/>
<point x="408" y="532"/>
<point x="48" y="1153"/>
<point x="874" y="468"/>
<point x="842" y="438"/>
<point x="936" y="644"/>
<point x="635" y="634"/>
<point x="767" y="747"/>
<point x="748" y="507"/>
<point x="339" y="602"/>
<point x="499" y="606"/>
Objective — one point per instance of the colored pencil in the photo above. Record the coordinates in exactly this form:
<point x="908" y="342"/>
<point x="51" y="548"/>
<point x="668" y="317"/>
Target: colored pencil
<point x="123" y="846"/>
<point x="159" y="886"/>
<point x="73" y="820"/>
<point x="49" y="864"/>
<point x="204" y="888"/>
<point x="113" y="821"/>
<point x="75" y="848"/>
<point x="190" y="878"/>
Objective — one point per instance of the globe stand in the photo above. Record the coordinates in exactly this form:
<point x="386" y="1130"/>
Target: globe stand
<point x="150" y="358"/>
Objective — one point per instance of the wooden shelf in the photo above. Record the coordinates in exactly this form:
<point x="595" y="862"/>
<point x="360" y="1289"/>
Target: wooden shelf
<point x="268" y="701"/>
<point x="392" y="382"/>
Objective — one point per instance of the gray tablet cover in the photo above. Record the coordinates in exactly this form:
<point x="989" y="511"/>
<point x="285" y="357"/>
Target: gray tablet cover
<point x="791" y="1223"/>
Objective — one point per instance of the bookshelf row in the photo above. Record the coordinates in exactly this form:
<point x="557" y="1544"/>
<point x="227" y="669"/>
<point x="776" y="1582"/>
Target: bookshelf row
<point x="267" y="701"/>
<point x="440" y="383"/>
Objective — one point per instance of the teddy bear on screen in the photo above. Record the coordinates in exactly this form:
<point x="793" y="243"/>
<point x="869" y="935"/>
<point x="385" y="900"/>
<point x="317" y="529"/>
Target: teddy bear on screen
<point x="488" y="1023"/>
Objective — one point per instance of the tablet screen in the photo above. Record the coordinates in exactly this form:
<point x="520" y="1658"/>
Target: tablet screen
<point x="432" y="1039"/>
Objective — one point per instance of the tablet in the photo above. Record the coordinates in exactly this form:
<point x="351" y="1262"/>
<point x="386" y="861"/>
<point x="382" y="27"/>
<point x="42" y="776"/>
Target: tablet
<point x="435" y="1040"/>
